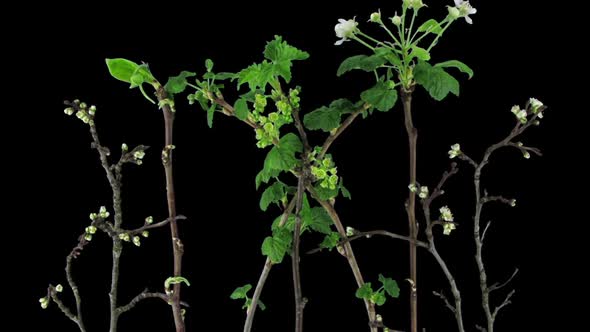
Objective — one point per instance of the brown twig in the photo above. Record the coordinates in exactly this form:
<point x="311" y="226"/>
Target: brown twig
<point x="362" y="235"/>
<point x="264" y="274"/>
<point x="167" y="161"/>
<point x="333" y="136"/>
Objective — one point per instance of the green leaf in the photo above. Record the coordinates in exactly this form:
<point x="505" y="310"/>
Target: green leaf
<point x="435" y="80"/>
<point x="280" y="158"/>
<point x="343" y="190"/>
<point x="381" y="96"/>
<point x="390" y="286"/>
<point x="241" y="292"/>
<point x="420" y="53"/>
<point x="210" y="113"/>
<point x="320" y="221"/>
<point x="328" y="118"/>
<point x="209" y="65"/>
<point x="364" y="292"/>
<point x="241" y="109"/>
<point x="276" y="246"/>
<point x="431" y="26"/>
<point x="122" y="69"/>
<point x="175" y="280"/>
<point x="282" y="56"/>
<point x="257" y="75"/>
<point x="177" y="84"/>
<point x="272" y="194"/>
<point x="456" y="64"/>
<point x="378" y="298"/>
<point x="325" y="194"/>
<point x="362" y="62"/>
<point x="289" y="225"/>
<point x="330" y="241"/>
<point x="224" y="76"/>
<point x="388" y="55"/>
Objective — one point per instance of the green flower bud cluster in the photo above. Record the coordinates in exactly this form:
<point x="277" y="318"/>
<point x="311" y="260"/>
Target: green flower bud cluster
<point x="269" y="126"/>
<point x="88" y="232"/>
<point x="84" y="113"/>
<point x="324" y="170"/>
<point x="44" y="301"/>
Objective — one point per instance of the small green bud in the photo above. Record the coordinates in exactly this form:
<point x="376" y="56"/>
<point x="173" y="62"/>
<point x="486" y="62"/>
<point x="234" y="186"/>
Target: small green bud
<point x="379" y="318"/>
<point x="149" y="220"/>
<point x="526" y="155"/>
<point x="137" y="241"/>
<point x="413" y="188"/>
<point x="513" y="202"/>
<point x="145" y="233"/>
<point x="396" y="20"/>
<point x="423" y="192"/>
<point x="44" y="302"/>
<point x="69" y="111"/>
<point x="88" y="237"/>
<point x="454" y="12"/>
<point x="333" y="179"/>
<point x="83" y="105"/>
<point x="125" y="237"/>
<point x="103" y="212"/>
<point x="139" y="154"/>
<point x="59" y="288"/>
<point x="350" y="231"/>
<point x="448" y="227"/>
<point x="93" y="216"/>
<point x="124" y="147"/>
<point x="375" y="17"/>
<point x="273" y="116"/>
<point x="327" y="162"/>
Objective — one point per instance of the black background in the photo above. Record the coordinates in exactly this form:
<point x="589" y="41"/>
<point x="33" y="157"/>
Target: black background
<point x="60" y="180"/>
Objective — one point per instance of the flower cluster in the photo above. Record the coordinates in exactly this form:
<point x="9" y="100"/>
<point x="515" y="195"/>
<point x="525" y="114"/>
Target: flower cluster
<point x="268" y="129"/>
<point x="421" y="190"/>
<point x="447" y="216"/>
<point x="84" y="113"/>
<point x="324" y="170"/>
<point x="462" y="9"/>
<point x="534" y="107"/>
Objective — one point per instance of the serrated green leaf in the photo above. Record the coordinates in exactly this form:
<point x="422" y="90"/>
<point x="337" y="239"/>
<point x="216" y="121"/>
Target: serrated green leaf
<point x="330" y="241"/>
<point x="420" y="53"/>
<point x="390" y="286"/>
<point x="276" y="246"/>
<point x="272" y="194"/>
<point x="122" y="69"/>
<point x="210" y="113"/>
<point x="381" y="96"/>
<point x="320" y="221"/>
<point x="257" y="75"/>
<point x="289" y="224"/>
<point x="435" y="80"/>
<point x="328" y="118"/>
<point x="431" y="26"/>
<point x="282" y="56"/>
<point x="241" y="109"/>
<point x="241" y="292"/>
<point x="364" y="292"/>
<point x="456" y="64"/>
<point x="177" y="84"/>
<point x="378" y="298"/>
<point x="362" y="62"/>
<point x="280" y="158"/>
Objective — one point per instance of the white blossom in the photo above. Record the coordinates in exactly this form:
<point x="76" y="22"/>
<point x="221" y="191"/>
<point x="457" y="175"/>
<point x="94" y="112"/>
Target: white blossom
<point x="446" y="214"/>
<point x="423" y="192"/>
<point x="465" y="9"/>
<point x="413" y="188"/>
<point x="455" y="151"/>
<point x="448" y="227"/>
<point x="345" y="29"/>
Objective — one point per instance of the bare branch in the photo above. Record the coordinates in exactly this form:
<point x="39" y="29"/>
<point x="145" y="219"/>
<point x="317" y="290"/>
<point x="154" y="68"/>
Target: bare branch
<point x="369" y="234"/>
<point x="504" y="303"/>
<point x="497" y="286"/>
<point x="447" y="303"/>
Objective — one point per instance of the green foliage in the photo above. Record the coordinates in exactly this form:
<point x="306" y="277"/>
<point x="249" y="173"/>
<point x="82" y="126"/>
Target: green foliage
<point x="241" y="109"/>
<point x="276" y="246"/>
<point x="330" y="241"/>
<point x="175" y="280"/>
<point x="456" y="64"/>
<point x="365" y="291"/>
<point x="280" y="158"/>
<point x="241" y="292"/>
<point x="177" y="84"/>
<point x="210" y="113"/>
<point x="361" y="62"/>
<point x="390" y="286"/>
<point x="319" y="221"/>
<point x="388" y="55"/>
<point x="273" y="194"/>
<point x="435" y="80"/>
<point x="431" y="26"/>
<point x="282" y="56"/>
<point x="382" y="96"/>
<point x="420" y="53"/>
<point x="325" y="194"/>
<point x="328" y="118"/>
<point x="130" y="72"/>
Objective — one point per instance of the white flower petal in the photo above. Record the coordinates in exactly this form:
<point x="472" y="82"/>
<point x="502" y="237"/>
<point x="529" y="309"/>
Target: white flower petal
<point x="339" y="42"/>
<point x="468" y="20"/>
<point x="458" y="3"/>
